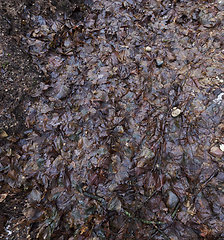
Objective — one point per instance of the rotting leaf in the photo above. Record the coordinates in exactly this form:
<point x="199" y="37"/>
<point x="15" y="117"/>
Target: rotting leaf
<point x="123" y="71"/>
<point x="74" y="137"/>
<point x="3" y="134"/>
<point x="114" y="204"/>
<point x="40" y="162"/>
<point x="90" y="210"/>
<point x="35" y="195"/>
<point x="3" y="196"/>
<point x="105" y="121"/>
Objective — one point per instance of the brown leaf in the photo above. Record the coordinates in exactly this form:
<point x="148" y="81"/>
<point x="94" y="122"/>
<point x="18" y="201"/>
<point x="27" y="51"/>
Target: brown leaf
<point x="3" y="196"/>
<point x="216" y="152"/>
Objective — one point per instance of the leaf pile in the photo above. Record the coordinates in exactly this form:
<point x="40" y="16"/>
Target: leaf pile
<point x="123" y="138"/>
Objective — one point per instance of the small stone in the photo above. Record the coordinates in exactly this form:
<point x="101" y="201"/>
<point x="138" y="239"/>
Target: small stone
<point x="148" y="49"/>
<point x="221" y="146"/>
<point x="175" y="112"/>
<point x="172" y="200"/>
<point x="159" y="62"/>
<point x="120" y="129"/>
<point x="216" y="152"/>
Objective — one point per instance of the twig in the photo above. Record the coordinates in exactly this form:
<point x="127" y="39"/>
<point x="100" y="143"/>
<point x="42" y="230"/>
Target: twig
<point x="95" y="197"/>
<point x="131" y="215"/>
<point x="175" y="211"/>
<point x="214" y="174"/>
<point x="153" y="234"/>
<point x="141" y="219"/>
<point x="166" y="237"/>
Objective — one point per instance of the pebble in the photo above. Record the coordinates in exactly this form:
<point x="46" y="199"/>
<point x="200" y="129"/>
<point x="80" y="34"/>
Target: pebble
<point x="221" y="146"/>
<point x="148" y="49"/>
<point x="216" y="152"/>
<point x="120" y="129"/>
<point x="159" y="62"/>
<point x="175" y="112"/>
<point x="172" y="200"/>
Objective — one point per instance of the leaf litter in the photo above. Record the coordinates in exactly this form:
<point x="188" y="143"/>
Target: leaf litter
<point x="123" y="138"/>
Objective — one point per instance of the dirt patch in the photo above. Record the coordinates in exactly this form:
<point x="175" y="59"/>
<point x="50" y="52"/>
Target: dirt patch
<point x="18" y="75"/>
<point x="10" y="214"/>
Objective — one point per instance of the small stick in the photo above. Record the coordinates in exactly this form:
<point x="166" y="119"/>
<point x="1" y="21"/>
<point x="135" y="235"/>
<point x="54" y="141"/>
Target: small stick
<point x="175" y="211"/>
<point x="141" y="220"/>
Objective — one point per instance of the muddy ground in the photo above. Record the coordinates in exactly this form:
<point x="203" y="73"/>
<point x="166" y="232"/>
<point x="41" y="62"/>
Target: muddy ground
<point x="111" y="119"/>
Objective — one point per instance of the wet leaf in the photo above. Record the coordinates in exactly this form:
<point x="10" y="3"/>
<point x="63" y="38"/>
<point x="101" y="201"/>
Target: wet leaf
<point x="127" y="123"/>
<point x="3" y="196"/>
<point x="74" y="137"/>
<point x="3" y="134"/>
<point x="216" y="152"/>
<point x="90" y="210"/>
<point x="35" y="195"/>
<point x="114" y="205"/>
<point x="63" y="92"/>
<point x="40" y="162"/>
<point x="123" y="71"/>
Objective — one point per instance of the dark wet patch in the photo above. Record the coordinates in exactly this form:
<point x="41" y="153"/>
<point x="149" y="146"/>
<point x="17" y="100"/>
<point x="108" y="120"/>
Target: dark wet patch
<point x="124" y="139"/>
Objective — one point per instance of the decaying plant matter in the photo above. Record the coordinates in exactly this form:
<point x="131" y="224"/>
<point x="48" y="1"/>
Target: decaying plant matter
<point x="124" y="135"/>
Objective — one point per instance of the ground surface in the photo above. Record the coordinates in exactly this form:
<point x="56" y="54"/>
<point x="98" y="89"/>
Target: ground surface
<point x="111" y="119"/>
